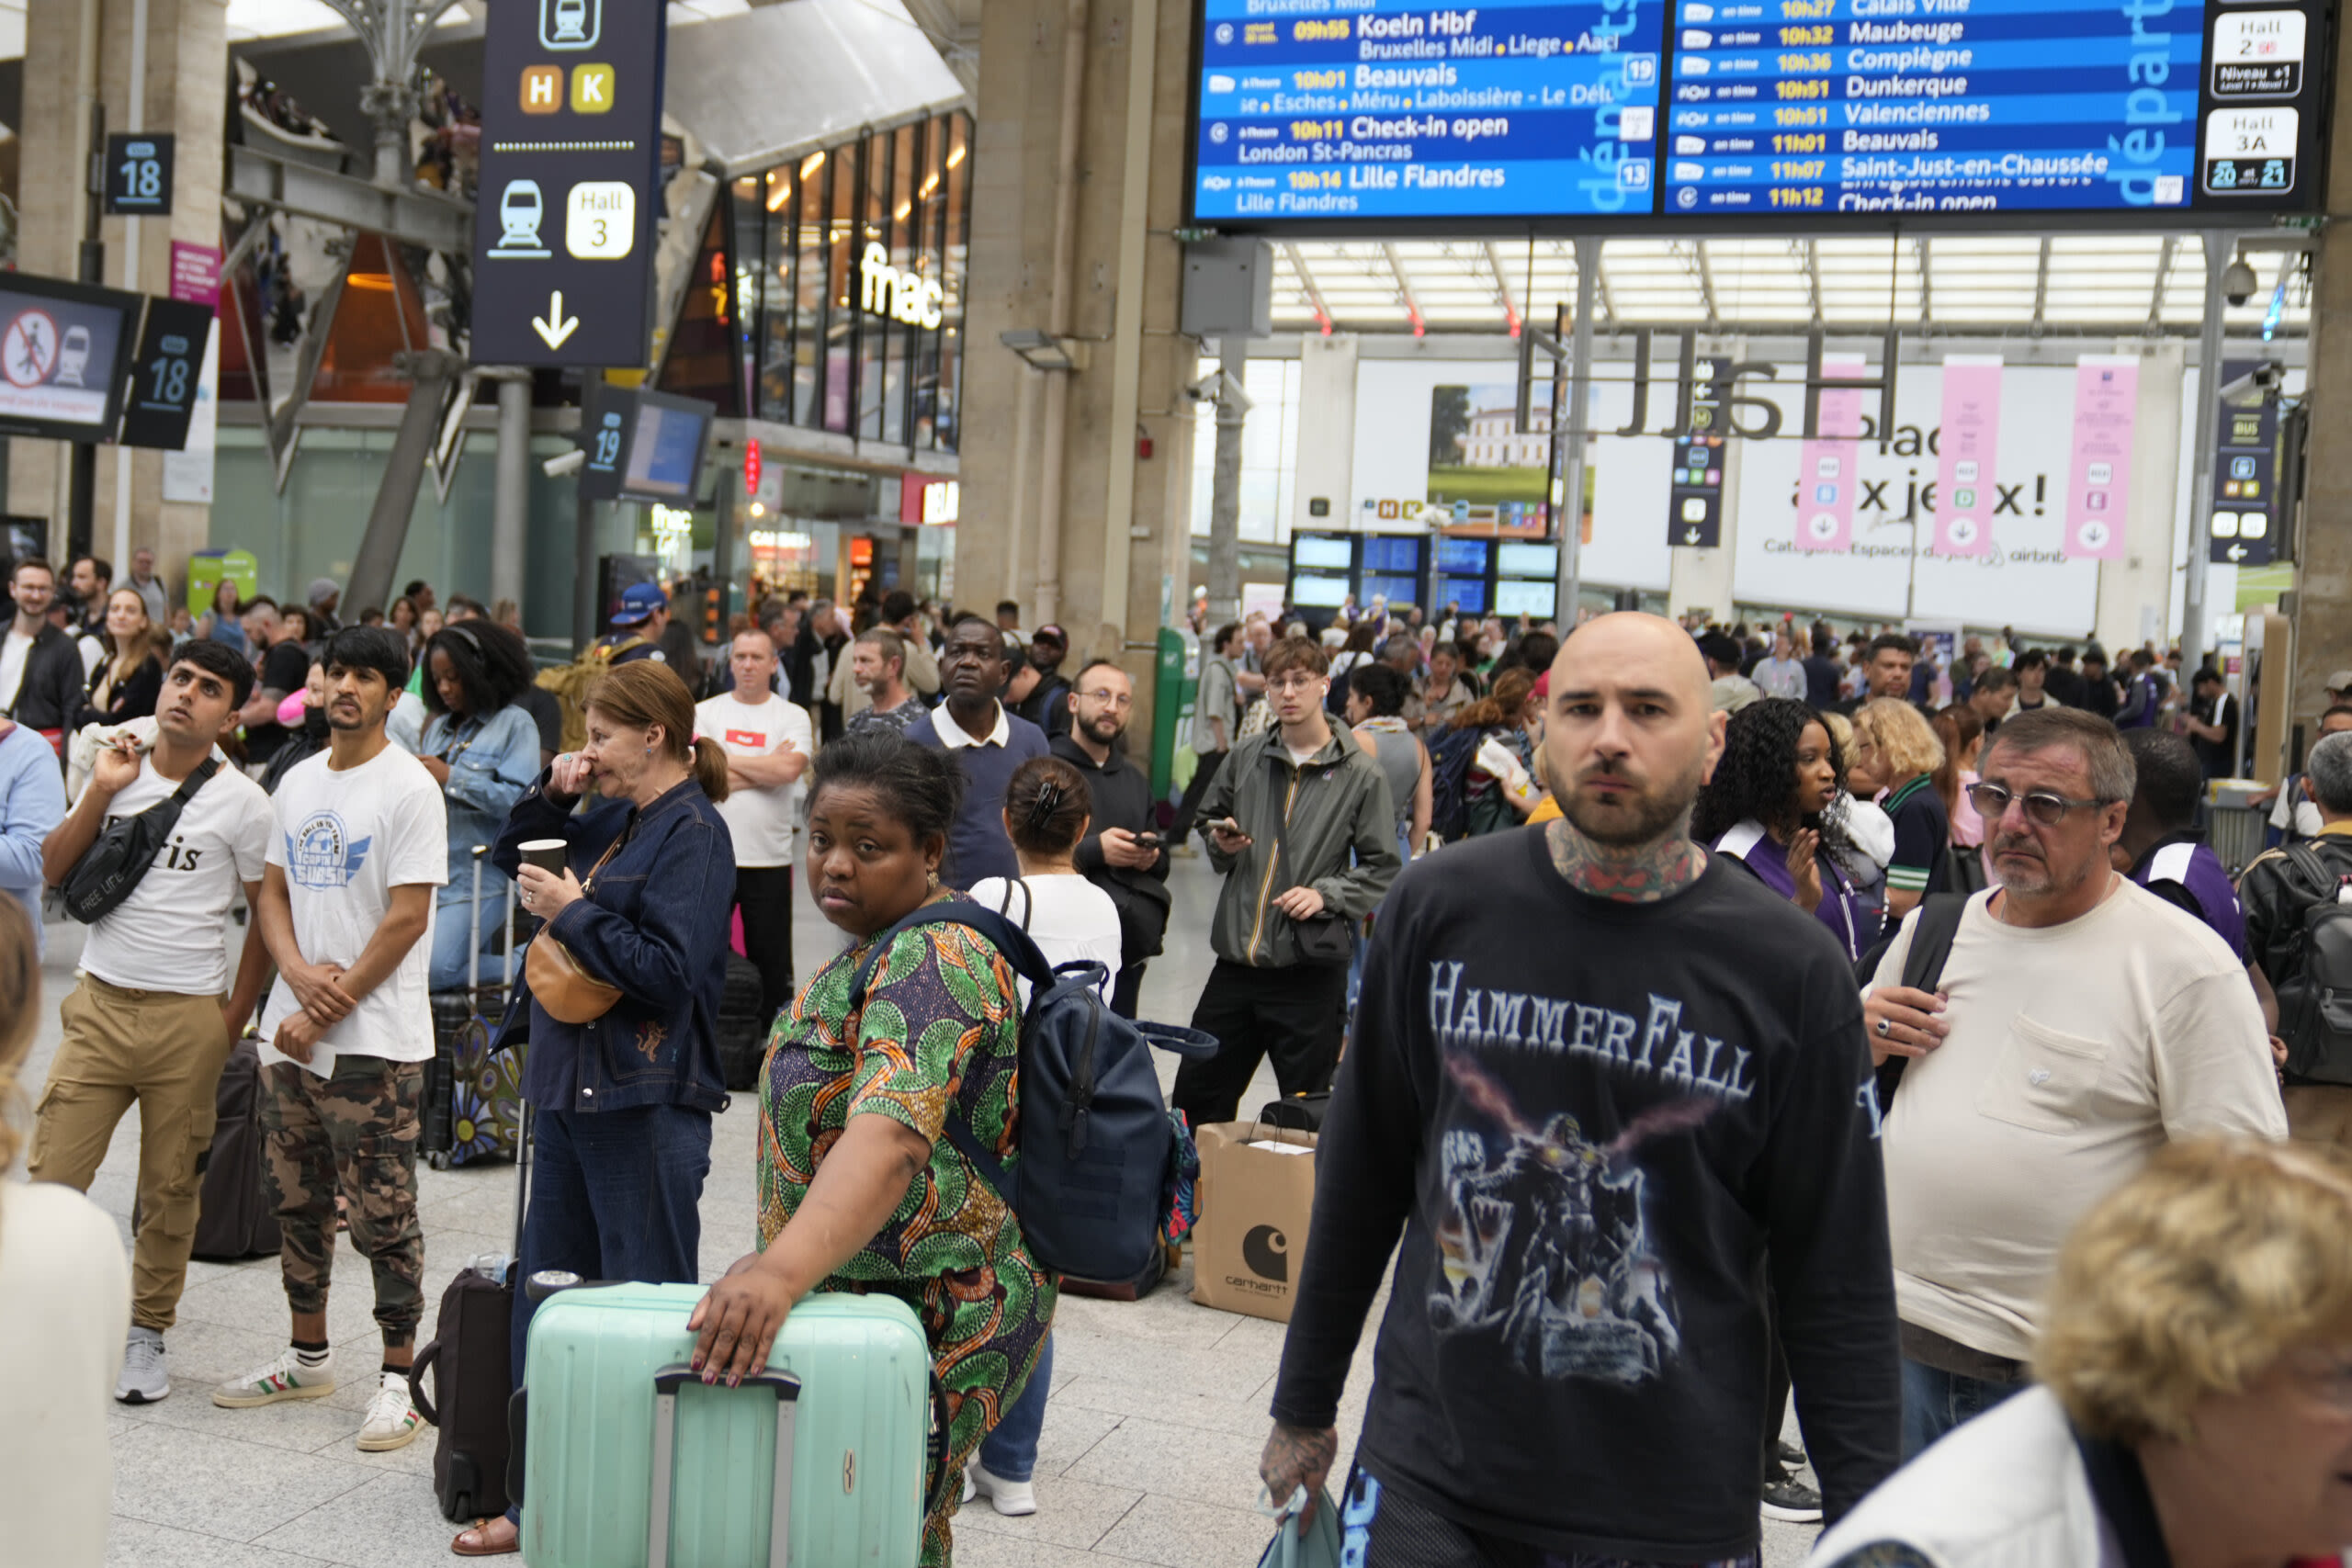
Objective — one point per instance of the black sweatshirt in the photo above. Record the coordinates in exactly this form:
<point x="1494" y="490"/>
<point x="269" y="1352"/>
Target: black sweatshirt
<point x="1591" y="1120"/>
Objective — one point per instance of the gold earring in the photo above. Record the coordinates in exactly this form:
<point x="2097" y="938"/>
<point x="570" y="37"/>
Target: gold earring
<point x="933" y="880"/>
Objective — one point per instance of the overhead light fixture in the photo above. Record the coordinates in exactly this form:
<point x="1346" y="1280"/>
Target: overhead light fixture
<point x="1044" y="351"/>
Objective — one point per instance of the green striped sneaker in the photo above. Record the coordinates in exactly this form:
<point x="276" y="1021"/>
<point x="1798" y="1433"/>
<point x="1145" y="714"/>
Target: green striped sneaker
<point x="285" y="1378"/>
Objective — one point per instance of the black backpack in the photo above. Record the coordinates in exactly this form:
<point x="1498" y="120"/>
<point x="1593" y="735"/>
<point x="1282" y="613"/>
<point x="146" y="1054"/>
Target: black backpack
<point x="1923" y="966"/>
<point x="1097" y="1150"/>
<point x="2316" y="1007"/>
<point x="1451" y="756"/>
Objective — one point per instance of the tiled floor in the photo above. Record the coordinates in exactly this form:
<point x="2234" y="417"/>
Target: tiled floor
<point x="1149" y="1452"/>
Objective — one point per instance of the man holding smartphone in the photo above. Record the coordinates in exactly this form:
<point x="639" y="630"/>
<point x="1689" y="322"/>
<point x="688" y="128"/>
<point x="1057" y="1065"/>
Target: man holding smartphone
<point x="1300" y="824"/>
<point x="1121" y="853"/>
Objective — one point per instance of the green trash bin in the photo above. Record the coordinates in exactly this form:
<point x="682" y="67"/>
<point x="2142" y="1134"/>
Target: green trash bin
<point x="1176" y="681"/>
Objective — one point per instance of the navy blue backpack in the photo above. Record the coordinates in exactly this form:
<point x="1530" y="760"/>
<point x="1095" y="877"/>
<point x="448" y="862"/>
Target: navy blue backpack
<point x="1097" y="1150"/>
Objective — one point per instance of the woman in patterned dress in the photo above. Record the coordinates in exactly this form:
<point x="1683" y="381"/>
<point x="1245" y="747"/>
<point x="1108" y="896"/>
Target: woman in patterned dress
<point x="860" y="1189"/>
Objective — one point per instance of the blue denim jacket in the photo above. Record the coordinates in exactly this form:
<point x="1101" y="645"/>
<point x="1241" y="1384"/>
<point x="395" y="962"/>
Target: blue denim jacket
<point x="491" y="761"/>
<point x="655" y="926"/>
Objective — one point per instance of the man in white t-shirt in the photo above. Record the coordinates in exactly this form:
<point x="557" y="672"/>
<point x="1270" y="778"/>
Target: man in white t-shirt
<point x="156" y="1014"/>
<point x="360" y="842"/>
<point x="2080" y="1022"/>
<point x="768" y="741"/>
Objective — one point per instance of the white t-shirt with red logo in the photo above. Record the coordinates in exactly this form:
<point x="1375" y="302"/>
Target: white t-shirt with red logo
<point x="761" y="821"/>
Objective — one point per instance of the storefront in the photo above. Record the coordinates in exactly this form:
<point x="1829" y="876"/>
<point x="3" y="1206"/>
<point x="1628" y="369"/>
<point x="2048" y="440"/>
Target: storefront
<point x="825" y="322"/>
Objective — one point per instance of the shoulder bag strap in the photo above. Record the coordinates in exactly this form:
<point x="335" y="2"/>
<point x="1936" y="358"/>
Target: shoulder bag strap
<point x="199" y="777"/>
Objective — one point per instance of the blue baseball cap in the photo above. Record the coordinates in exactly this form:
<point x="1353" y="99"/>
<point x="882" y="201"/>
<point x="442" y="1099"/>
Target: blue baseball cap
<point x="638" y="601"/>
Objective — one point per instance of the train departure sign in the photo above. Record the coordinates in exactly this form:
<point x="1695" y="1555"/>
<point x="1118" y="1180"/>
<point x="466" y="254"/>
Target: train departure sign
<point x="564" y="228"/>
<point x="1332" y="115"/>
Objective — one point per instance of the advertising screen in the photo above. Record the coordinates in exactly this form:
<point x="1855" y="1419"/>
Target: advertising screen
<point x="1322" y="551"/>
<point x="1534" y="598"/>
<point x="1309" y="589"/>
<point x="61" y="347"/>
<point x="665" y="450"/>
<point x="1529" y="561"/>
<point x="1534" y="112"/>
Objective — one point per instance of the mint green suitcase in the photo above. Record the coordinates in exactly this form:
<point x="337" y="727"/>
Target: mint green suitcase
<point x="629" y="1462"/>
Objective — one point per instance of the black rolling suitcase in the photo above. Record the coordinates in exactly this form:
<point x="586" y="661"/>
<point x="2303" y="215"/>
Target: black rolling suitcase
<point x="470" y="1359"/>
<point x="235" y="1219"/>
<point x="742" y="1026"/>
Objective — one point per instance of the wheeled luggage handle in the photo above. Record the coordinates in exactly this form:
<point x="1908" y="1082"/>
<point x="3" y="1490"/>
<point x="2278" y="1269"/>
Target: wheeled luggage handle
<point x="666" y="1380"/>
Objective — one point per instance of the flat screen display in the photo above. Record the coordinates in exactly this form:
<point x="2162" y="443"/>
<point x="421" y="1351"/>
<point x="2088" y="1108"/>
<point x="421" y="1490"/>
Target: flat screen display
<point x="1528" y="561"/>
<point x="1465" y="555"/>
<point x="1321" y="551"/>
<point x="1394" y="590"/>
<point x="1392" y="554"/>
<point x="1318" y="592"/>
<point x="665" y="451"/>
<point x="1866" y="112"/>
<point x="1534" y="598"/>
<point x="1468" y="593"/>
<point x="62" y="357"/>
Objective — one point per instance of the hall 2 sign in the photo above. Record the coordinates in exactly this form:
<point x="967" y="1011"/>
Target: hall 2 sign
<point x="908" y="297"/>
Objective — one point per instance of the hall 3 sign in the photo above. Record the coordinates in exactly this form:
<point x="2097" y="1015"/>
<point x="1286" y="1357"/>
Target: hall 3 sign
<point x="908" y="297"/>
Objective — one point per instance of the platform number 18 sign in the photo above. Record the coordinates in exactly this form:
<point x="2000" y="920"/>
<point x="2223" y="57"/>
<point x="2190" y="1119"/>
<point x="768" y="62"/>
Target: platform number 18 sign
<point x="139" y="176"/>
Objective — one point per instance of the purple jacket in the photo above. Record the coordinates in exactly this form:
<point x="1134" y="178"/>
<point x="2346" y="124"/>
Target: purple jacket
<point x="1840" y="909"/>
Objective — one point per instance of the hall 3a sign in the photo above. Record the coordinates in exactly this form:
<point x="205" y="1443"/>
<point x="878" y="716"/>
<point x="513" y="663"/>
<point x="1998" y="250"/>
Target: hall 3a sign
<point x="908" y="297"/>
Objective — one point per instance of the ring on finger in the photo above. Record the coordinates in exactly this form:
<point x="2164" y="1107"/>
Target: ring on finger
<point x="1883" y="1028"/>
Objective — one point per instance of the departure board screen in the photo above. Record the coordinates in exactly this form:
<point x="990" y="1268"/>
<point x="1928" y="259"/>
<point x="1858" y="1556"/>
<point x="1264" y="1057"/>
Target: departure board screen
<point x="1360" y="115"/>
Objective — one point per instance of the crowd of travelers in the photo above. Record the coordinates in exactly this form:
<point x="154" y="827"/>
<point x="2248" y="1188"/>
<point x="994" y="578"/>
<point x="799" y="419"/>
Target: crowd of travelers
<point x="1699" y="1019"/>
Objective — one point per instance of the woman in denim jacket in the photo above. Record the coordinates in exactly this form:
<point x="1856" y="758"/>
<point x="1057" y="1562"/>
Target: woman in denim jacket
<point x="483" y="747"/>
<point x="623" y="1102"/>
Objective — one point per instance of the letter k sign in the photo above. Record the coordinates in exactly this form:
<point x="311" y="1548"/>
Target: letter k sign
<point x="591" y="89"/>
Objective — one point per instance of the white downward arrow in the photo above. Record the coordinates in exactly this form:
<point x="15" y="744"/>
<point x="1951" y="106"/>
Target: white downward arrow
<point x="555" y="326"/>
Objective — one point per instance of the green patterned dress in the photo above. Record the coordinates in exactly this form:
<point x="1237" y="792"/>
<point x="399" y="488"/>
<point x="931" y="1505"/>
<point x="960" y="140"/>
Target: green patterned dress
<point x="936" y="1038"/>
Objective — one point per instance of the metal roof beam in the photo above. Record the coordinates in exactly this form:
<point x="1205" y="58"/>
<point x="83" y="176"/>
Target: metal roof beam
<point x="2041" y="288"/>
<point x="1306" y="281"/>
<point x="1405" y="288"/>
<point x="2164" y="278"/>
<point x="1813" y="276"/>
<point x="1704" y="271"/>
<point x="1512" y="306"/>
<point x="1926" y="280"/>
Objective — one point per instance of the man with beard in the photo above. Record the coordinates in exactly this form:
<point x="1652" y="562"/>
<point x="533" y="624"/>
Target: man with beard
<point x="1121" y="852"/>
<point x="1553" y="1021"/>
<point x="2079" y="1023"/>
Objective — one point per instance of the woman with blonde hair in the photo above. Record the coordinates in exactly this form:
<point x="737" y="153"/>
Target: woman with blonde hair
<point x="2195" y="1398"/>
<point x="65" y="1313"/>
<point x="130" y="677"/>
<point x="1895" y="757"/>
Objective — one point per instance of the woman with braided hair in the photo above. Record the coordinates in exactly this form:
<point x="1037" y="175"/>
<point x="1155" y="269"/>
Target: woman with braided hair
<point x="1764" y="807"/>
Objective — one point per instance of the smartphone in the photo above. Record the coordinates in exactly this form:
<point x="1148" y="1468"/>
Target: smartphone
<point x="1147" y="840"/>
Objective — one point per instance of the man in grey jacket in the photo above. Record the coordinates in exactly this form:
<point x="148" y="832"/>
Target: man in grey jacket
<point x="1300" y="823"/>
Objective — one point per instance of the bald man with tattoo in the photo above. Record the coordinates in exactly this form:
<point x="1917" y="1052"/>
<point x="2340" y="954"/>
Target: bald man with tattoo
<point x="1604" y="1089"/>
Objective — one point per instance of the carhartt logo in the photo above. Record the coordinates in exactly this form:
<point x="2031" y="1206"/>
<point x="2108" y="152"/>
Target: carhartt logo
<point x="1267" y="1251"/>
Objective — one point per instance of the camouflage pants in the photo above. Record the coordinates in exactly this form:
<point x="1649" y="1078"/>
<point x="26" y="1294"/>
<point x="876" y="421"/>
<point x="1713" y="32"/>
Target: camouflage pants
<point x="355" y="1132"/>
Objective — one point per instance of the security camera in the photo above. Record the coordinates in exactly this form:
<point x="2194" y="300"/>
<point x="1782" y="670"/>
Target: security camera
<point x="564" y="462"/>
<point x="2238" y="282"/>
<point x="1204" y="389"/>
<point x="2256" y="384"/>
<point x="1220" y="388"/>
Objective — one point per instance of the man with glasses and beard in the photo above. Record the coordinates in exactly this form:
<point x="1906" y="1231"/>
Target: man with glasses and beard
<point x="1121" y="852"/>
<point x="2080" y="1022"/>
<point x="1607" y="1087"/>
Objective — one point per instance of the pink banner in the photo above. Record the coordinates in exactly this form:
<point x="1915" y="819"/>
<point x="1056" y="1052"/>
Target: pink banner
<point x="1968" y="445"/>
<point x="2099" y="477"/>
<point x="196" y="273"/>
<point x="1826" y="468"/>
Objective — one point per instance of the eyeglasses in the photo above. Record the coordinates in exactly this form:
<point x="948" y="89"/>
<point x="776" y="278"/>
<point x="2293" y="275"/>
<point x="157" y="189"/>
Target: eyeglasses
<point x="1291" y="682"/>
<point x="1992" y="802"/>
<point x="1109" y="698"/>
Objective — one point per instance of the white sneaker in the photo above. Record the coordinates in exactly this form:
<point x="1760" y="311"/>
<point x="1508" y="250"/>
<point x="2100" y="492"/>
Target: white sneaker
<point x="1014" y="1499"/>
<point x="285" y="1378"/>
<point x="392" y="1422"/>
<point x="143" y="1379"/>
<point x="970" y="1490"/>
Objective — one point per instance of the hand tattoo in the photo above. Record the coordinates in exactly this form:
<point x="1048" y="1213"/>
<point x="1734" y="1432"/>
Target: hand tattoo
<point x="1295" y="1456"/>
<point x="1642" y="873"/>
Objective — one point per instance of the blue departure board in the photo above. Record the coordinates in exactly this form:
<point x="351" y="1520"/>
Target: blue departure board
<point x="1368" y="115"/>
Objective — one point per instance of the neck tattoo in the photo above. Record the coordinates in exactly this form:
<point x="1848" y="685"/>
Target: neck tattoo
<point x="1641" y="874"/>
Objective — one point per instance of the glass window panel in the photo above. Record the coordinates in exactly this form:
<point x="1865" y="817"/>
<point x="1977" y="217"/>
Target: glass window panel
<point x="841" y="312"/>
<point x="958" y="227"/>
<point x="809" y="287"/>
<point x="777" y="192"/>
<point x="929" y="219"/>
<point x="899" y="337"/>
<point x="873" y="331"/>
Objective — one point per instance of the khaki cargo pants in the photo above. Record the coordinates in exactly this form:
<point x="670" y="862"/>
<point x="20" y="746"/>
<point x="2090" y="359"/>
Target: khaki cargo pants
<point x="162" y="1051"/>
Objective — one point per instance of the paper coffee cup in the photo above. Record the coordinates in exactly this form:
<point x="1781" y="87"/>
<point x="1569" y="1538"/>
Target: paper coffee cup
<point x="548" y="855"/>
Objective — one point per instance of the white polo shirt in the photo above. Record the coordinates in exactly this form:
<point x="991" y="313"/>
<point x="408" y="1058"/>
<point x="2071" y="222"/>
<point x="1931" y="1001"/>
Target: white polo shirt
<point x="953" y="737"/>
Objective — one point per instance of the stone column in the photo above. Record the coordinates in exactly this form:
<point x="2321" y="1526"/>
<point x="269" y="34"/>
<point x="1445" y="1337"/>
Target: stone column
<point x="1123" y="516"/>
<point x="185" y="92"/>
<point x="2324" y="561"/>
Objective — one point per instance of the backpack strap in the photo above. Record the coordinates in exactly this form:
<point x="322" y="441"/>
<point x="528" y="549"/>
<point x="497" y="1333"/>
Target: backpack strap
<point x="1000" y="934"/>
<point x="1940" y="915"/>
<point x="1028" y="900"/>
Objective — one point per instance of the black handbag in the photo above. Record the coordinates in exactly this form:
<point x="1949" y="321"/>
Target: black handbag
<point x="1326" y="941"/>
<point x="110" y="869"/>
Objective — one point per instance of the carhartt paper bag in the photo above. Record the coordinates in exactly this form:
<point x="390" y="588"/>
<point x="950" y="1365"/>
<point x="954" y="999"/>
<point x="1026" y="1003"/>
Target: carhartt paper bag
<point x="1255" y="1205"/>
